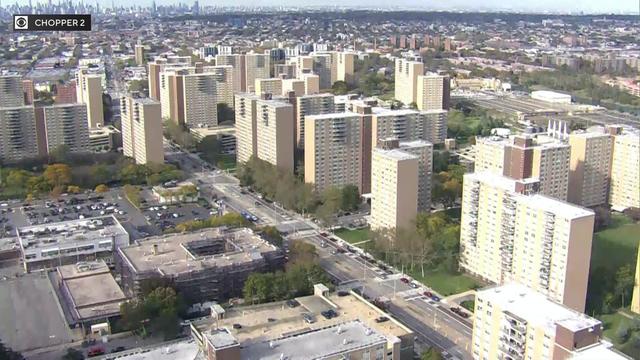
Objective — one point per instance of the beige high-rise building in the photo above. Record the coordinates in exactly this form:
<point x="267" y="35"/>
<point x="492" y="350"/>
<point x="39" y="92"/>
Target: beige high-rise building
<point x="268" y="86"/>
<point x="333" y="153"/>
<point x="394" y="200"/>
<point x="515" y="322"/>
<point x="223" y="75"/>
<point x="139" y="54"/>
<point x="311" y="84"/>
<point x="295" y="85"/>
<point x="274" y="128"/>
<point x="408" y="125"/>
<point x="141" y="129"/>
<point x="625" y="168"/>
<point x="394" y="185"/>
<point x="510" y="233"/>
<point x="89" y="92"/>
<point x="285" y="71"/>
<point x="433" y="92"/>
<point x="246" y="127"/>
<point x="590" y="167"/>
<point x="158" y="66"/>
<point x="304" y="65"/>
<point x="11" y="94"/>
<point x="311" y="105"/>
<point x="200" y="99"/>
<point x="323" y="66"/>
<point x="406" y="80"/>
<point x="18" y="133"/>
<point x="66" y="124"/>
<point x="239" y="70"/>
<point x="257" y="66"/>
<point x="346" y="67"/>
<point x="523" y="156"/>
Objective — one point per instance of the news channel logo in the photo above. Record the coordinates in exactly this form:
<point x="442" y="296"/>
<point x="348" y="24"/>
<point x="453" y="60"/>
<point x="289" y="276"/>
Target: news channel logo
<point x="52" y="22"/>
<point x="21" y="22"/>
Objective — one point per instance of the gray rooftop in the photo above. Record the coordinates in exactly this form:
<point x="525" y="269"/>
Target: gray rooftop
<point x="81" y="230"/>
<point x="318" y="344"/>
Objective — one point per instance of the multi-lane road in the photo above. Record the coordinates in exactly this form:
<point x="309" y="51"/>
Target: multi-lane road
<point x="432" y="322"/>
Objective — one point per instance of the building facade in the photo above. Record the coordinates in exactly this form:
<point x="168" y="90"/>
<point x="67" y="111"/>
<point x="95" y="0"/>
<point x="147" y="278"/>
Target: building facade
<point x="141" y="129"/>
<point x="406" y="80"/>
<point x="66" y="125"/>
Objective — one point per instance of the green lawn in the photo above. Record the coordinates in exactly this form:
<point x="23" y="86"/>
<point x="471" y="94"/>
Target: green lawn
<point x="617" y="245"/>
<point x="353" y="236"/>
<point x="227" y="162"/>
<point x="614" y="326"/>
<point x="444" y="283"/>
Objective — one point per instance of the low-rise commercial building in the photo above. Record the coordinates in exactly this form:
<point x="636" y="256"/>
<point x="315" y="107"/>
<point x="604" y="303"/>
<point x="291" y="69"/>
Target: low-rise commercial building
<point x="68" y="242"/>
<point x="207" y="265"/>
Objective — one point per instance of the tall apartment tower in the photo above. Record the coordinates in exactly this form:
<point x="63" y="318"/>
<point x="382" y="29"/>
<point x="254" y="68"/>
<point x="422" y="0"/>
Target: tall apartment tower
<point x="322" y="66"/>
<point x="139" y="54"/>
<point x="406" y="80"/>
<point x="625" y="168"/>
<point x="590" y="168"/>
<point x="268" y="86"/>
<point x="66" y="124"/>
<point x="524" y="156"/>
<point x="28" y="91"/>
<point x="345" y="64"/>
<point x="199" y="96"/>
<point x="392" y="182"/>
<point x="158" y="66"/>
<point x="394" y="185"/>
<point x="311" y="84"/>
<point x="433" y="92"/>
<point x="286" y="71"/>
<point x="509" y="233"/>
<point x="141" y="129"/>
<point x="274" y="128"/>
<point x="332" y="155"/>
<point x="246" y="127"/>
<point x="89" y="92"/>
<point x="257" y="66"/>
<point x="295" y="85"/>
<point x="18" y="133"/>
<point x="311" y="105"/>
<point x="515" y="322"/>
<point x="408" y="125"/>
<point x="224" y="83"/>
<point x="11" y="94"/>
<point x="239" y="70"/>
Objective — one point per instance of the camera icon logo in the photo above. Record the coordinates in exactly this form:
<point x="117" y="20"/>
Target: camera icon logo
<point x="21" y="22"/>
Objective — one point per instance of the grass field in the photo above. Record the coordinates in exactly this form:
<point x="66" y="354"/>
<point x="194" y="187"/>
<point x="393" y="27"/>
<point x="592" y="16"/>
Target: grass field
<point x="444" y="283"/>
<point x="614" y="326"/>
<point x="353" y="236"/>
<point x="617" y="245"/>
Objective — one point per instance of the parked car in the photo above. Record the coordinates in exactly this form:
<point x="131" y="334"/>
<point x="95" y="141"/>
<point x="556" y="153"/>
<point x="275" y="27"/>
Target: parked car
<point x="95" y="351"/>
<point x="404" y="280"/>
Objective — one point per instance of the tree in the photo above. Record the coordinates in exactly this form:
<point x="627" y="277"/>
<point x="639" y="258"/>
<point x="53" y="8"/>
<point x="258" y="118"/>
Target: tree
<point x="339" y="88"/>
<point x="350" y="198"/>
<point x="6" y="353"/>
<point x="17" y="178"/>
<point x="156" y="312"/>
<point x="301" y="252"/>
<point x="57" y="174"/>
<point x="431" y="354"/>
<point x="210" y="148"/>
<point x="60" y="153"/>
<point x="273" y="235"/>
<point x="331" y="203"/>
<point x="625" y="280"/>
<point x="102" y="188"/>
<point x="226" y="114"/>
<point x="100" y="173"/>
<point x="73" y="354"/>
<point x="73" y="189"/>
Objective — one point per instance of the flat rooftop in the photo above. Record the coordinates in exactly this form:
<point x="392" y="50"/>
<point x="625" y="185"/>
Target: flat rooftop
<point x="317" y="344"/>
<point x="535" y="308"/>
<point x="180" y="350"/>
<point x="173" y="256"/>
<point x="81" y="230"/>
<point x="276" y="320"/>
<point x="396" y="154"/>
<point x="542" y="202"/>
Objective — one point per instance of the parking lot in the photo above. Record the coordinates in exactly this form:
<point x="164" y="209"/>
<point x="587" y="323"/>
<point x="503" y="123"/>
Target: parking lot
<point x="166" y="217"/>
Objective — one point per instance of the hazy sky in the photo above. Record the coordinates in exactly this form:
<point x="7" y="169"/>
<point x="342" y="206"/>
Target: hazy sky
<point x="586" y="6"/>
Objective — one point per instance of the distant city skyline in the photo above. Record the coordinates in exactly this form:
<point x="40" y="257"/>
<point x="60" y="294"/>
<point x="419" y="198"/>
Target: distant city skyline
<point x="540" y="6"/>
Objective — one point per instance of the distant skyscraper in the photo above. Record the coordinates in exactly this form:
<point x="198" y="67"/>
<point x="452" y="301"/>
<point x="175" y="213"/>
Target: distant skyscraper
<point x="89" y="92"/>
<point x="139" y="54"/>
